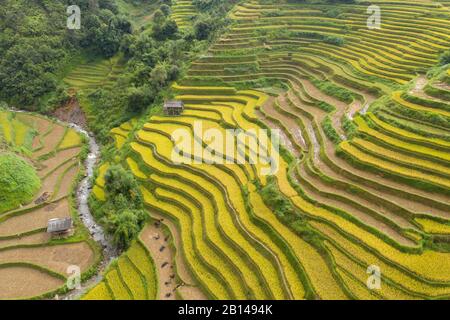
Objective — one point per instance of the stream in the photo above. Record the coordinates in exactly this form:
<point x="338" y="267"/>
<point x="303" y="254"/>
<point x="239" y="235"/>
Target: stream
<point x="97" y="232"/>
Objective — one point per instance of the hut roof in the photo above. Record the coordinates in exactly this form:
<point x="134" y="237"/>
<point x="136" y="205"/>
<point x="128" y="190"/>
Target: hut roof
<point x="173" y="104"/>
<point x="59" y="224"/>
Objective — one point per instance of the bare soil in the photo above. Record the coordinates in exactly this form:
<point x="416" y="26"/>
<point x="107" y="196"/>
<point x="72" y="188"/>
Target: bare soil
<point x="285" y="141"/>
<point x="41" y="237"/>
<point x="50" y="182"/>
<point x="154" y="240"/>
<point x="34" y="220"/>
<point x="362" y="216"/>
<point x="55" y="257"/>
<point x="287" y="124"/>
<point x="67" y="182"/>
<point x="59" y="158"/>
<point x="71" y="112"/>
<point x="410" y="205"/>
<point x="190" y="290"/>
<point x="38" y="123"/>
<point x="22" y="282"/>
<point x="50" y="141"/>
<point x="421" y="82"/>
<point x="340" y="106"/>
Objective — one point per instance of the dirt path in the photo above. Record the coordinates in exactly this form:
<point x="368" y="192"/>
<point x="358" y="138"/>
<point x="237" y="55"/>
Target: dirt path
<point x="189" y="290"/>
<point x="354" y="107"/>
<point x="357" y="105"/>
<point x="420" y="83"/>
<point x="158" y="245"/>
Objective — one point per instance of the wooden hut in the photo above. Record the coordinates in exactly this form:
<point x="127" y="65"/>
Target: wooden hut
<point x="173" y="107"/>
<point x="59" y="225"/>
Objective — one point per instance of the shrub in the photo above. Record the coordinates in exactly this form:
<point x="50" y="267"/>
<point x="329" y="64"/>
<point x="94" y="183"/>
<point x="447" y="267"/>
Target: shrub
<point x="333" y="90"/>
<point x="18" y="182"/>
<point x="444" y="58"/>
<point x="165" y="9"/>
<point x="272" y="196"/>
<point x="126" y="225"/>
<point x="203" y="28"/>
<point x="286" y="212"/>
<point x="123" y="211"/>
<point x="338" y="41"/>
<point x="165" y="31"/>
<point x="139" y="98"/>
<point x="329" y="130"/>
<point x="349" y="127"/>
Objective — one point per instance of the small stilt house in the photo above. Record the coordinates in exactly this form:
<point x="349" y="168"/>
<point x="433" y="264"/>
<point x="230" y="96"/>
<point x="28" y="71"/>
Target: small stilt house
<point x="173" y="107"/>
<point x="59" y="225"/>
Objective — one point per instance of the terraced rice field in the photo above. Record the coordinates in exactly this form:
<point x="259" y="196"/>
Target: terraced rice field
<point x="95" y="74"/>
<point x="132" y="276"/>
<point x="363" y="165"/>
<point x="37" y="262"/>
<point x="140" y="14"/>
<point x="182" y="11"/>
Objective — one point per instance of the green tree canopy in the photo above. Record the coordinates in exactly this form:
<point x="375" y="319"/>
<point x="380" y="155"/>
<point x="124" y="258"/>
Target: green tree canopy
<point x="18" y="181"/>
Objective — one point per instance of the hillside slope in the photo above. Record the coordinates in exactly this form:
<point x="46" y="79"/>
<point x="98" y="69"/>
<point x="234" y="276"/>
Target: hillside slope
<point x="363" y="175"/>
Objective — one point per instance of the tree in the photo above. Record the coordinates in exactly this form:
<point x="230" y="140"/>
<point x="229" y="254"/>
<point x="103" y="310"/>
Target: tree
<point x="26" y="72"/>
<point x="158" y="18"/>
<point x="203" y="28"/>
<point x="205" y="5"/>
<point x="126" y="225"/>
<point x="139" y="98"/>
<point x="173" y="73"/>
<point x="444" y="58"/>
<point x="122" y="25"/>
<point x="165" y="9"/>
<point x="121" y="182"/>
<point x="123" y="211"/>
<point x="165" y="31"/>
<point x="108" y="4"/>
<point x="158" y="76"/>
